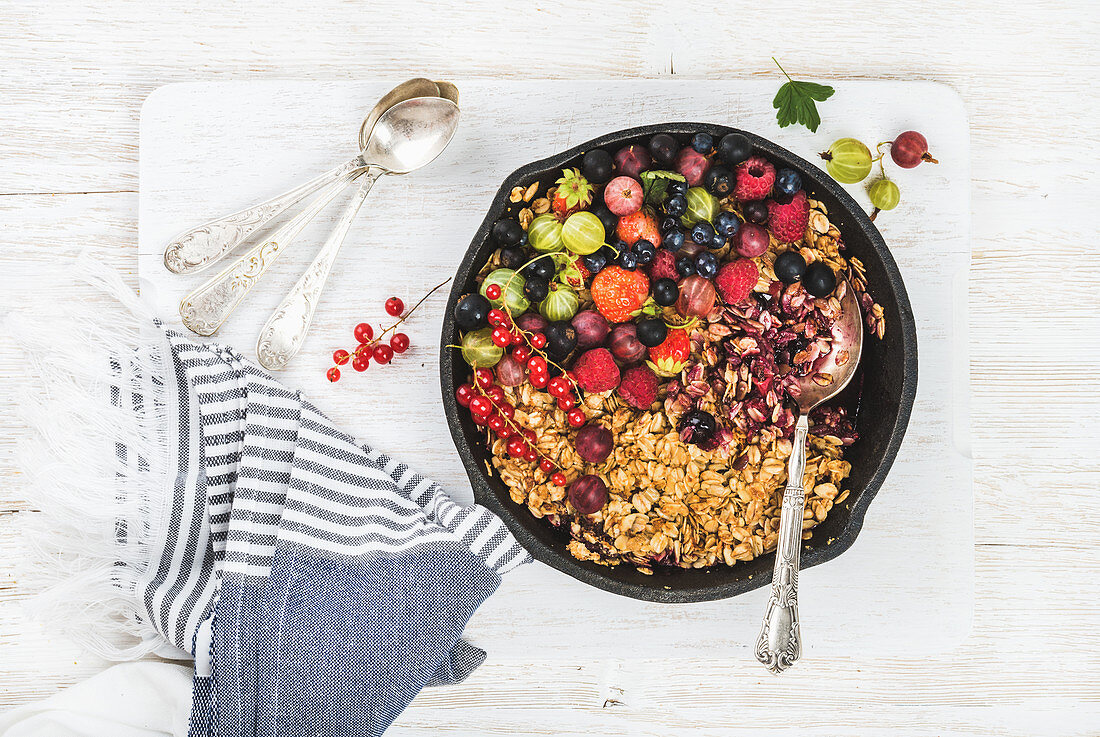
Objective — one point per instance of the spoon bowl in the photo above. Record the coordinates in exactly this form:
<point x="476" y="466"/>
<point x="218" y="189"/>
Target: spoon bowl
<point x="842" y="361"/>
<point x="411" y="134"/>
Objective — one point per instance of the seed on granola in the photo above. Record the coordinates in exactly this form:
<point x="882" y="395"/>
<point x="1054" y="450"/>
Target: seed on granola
<point x="540" y="206"/>
<point x="822" y="378"/>
<point x="516" y="194"/>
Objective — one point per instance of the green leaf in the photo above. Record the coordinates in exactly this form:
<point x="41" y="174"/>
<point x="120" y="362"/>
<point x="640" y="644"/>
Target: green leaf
<point x="655" y="184"/>
<point x="795" y="102"/>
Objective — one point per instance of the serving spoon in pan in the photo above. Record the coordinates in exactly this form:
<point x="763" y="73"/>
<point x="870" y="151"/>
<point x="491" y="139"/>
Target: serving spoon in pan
<point x="780" y="642"/>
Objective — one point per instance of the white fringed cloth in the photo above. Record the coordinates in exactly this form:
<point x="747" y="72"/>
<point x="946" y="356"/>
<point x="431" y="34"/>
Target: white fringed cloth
<point x="194" y="506"/>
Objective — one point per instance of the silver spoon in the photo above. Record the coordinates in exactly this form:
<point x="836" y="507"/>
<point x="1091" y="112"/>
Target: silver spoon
<point x="406" y="136"/>
<point x="780" y="642"/>
<point x="282" y="335"/>
<point x="199" y="247"/>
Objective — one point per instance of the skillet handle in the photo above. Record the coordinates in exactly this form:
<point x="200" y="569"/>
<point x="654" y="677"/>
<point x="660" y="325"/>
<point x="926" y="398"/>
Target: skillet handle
<point x="780" y="641"/>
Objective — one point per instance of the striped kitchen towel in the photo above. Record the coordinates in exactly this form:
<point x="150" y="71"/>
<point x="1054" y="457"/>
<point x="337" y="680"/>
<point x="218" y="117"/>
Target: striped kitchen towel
<point x="200" y="507"/>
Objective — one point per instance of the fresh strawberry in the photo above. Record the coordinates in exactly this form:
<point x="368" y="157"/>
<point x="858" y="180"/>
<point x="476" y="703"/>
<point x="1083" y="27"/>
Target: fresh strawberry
<point x="755" y="177"/>
<point x="736" y="279"/>
<point x="619" y="293"/>
<point x="573" y="193"/>
<point x="788" y="221"/>
<point x="664" y="266"/>
<point x="669" y="358"/>
<point x="636" y="226"/>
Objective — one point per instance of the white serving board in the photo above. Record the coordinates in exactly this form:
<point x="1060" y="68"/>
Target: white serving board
<point x="906" y="585"/>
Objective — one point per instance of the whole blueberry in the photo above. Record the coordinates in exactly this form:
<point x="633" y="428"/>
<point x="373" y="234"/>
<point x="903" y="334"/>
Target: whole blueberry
<point x="609" y="219"/>
<point x="628" y="260"/>
<point x="702" y="142"/>
<point x="706" y="265"/>
<point x="536" y="289"/>
<point x="665" y="292"/>
<point x="789" y="267"/>
<point x="719" y="180"/>
<point x="610" y="255"/>
<point x="787" y="181"/>
<point x="674" y="239"/>
<point x="727" y="224"/>
<point x="598" y="166"/>
<point x="668" y="223"/>
<point x="819" y="280"/>
<point x="734" y="148"/>
<point x="594" y="262"/>
<point x="507" y="232"/>
<point x="512" y="258"/>
<point x="717" y="241"/>
<point x="541" y="269"/>
<point x="755" y="212"/>
<point x="652" y="332"/>
<point x="472" y="311"/>
<point x="675" y="187"/>
<point x="676" y="205"/>
<point x="685" y="266"/>
<point x="645" y="251"/>
<point x="702" y="233"/>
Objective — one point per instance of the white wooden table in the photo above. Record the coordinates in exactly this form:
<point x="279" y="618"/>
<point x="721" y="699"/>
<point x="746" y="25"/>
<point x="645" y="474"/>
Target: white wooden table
<point x="74" y="77"/>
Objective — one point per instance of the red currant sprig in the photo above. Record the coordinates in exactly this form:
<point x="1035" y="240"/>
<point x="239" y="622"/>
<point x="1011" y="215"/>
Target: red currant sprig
<point x="370" y="346"/>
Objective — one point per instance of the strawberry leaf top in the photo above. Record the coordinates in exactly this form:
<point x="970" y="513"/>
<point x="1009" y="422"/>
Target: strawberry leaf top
<point x="573" y="189"/>
<point x="795" y="102"/>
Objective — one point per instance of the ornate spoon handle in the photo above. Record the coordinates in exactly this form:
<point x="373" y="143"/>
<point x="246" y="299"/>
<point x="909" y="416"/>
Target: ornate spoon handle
<point x="207" y="308"/>
<point x="780" y="643"/>
<point x="202" y="246"/>
<point x="282" y="335"/>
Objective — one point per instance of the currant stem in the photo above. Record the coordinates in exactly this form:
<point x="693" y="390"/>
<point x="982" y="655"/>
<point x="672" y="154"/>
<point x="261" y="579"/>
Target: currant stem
<point x="782" y="69"/>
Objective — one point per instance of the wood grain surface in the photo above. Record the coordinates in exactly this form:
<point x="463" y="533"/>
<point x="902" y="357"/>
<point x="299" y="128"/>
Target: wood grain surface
<point x="73" y="78"/>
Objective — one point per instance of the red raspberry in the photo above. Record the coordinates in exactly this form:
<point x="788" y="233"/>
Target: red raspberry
<point x="755" y="177"/>
<point x="736" y="279"/>
<point x="664" y="266"/>
<point x="596" y="371"/>
<point x="639" y="387"/>
<point x="788" y="222"/>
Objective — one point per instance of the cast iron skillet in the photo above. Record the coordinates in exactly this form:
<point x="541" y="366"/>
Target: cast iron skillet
<point x="882" y="403"/>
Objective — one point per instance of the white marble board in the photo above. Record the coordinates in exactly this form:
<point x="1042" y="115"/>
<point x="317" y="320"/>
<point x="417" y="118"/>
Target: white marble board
<point x="906" y="585"/>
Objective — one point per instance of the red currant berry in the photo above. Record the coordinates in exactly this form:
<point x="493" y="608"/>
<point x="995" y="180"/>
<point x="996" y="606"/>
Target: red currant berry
<point x="495" y="394"/>
<point x="480" y="421"/>
<point x="558" y="479"/>
<point x="492" y="292"/>
<point x="576" y="417"/>
<point x="361" y="361"/>
<point x="531" y="455"/>
<point x="516" y="447"/>
<point x="530" y="435"/>
<point x="538" y="381"/>
<point x="481" y="407"/>
<point x="399" y="342"/>
<point x="521" y="353"/>
<point x="546" y="465"/>
<point x="395" y="306"/>
<point x="496" y="423"/>
<point x="538" y="340"/>
<point x="383" y="353"/>
<point x="340" y="357"/>
<point x="504" y="431"/>
<point x="517" y="337"/>
<point x="566" y="403"/>
<point x="559" y="387"/>
<point x="507" y="410"/>
<point x="497" y="317"/>
<point x="333" y="374"/>
<point x="537" y="365"/>
<point x="501" y="336"/>
<point x="484" y="377"/>
<point x="364" y="332"/>
<point x="464" y="393"/>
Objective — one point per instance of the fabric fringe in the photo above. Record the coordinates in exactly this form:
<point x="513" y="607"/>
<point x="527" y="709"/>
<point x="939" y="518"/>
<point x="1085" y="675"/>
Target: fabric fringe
<point x="95" y="462"/>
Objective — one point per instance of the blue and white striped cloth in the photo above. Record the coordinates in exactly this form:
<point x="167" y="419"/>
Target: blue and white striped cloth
<point x="319" y="583"/>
